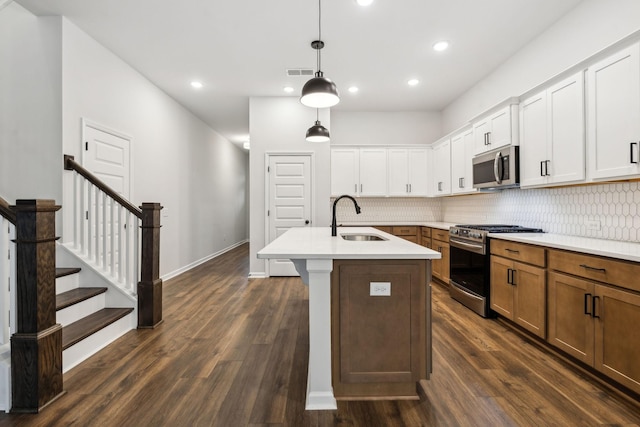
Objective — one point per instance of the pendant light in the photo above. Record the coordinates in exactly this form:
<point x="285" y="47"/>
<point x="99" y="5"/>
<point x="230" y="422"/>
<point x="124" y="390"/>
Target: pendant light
<point x="317" y="132"/>
<point x="319" y="92"/>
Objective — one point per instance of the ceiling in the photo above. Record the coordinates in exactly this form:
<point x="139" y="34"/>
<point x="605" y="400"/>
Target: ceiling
<point x="242" y="48"/>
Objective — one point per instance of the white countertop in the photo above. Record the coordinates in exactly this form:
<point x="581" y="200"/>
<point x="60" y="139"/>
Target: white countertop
<point x="435" y="224"/>
<point x="317" y="243"/>
<point x="609" y="248"/>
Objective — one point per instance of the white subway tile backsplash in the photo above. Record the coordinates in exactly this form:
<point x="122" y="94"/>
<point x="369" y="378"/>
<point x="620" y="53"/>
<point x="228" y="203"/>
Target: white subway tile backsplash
<point x="392" y="209"/>
<point x="604" y="211"/>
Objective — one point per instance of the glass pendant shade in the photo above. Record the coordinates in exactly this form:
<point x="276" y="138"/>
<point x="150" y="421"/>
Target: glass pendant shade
<point x="317" y="133"/>
<point x="319" y="92"/>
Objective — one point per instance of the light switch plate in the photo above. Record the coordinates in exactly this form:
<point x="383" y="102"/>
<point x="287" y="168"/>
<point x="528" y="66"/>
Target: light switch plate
<point x="380" y="289"/>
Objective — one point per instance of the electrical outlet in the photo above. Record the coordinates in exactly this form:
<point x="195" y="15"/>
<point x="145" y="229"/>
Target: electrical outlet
<point x="380" y="289"/>
<point x="593" y="224"/>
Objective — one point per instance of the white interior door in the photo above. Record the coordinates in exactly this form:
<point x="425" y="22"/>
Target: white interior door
<point x="106" y="154"/>
<point x="289" y="198"/>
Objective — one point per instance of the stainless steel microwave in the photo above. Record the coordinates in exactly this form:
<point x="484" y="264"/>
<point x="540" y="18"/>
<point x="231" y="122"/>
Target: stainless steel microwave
<point x="497" y="169"/>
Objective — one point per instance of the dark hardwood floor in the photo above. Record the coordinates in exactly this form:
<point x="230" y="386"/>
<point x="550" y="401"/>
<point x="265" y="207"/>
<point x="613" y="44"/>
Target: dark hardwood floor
<point x="233" y="352"/>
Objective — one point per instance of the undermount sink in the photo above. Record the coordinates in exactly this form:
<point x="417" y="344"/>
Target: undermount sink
<point x="363" y="237"/>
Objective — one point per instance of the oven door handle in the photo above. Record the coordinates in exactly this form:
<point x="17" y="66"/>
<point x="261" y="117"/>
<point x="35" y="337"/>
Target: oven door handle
<point x="478" y="249"/>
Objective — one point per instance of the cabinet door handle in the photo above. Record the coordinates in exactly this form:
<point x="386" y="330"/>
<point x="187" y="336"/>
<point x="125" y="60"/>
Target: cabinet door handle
<point x="588" y="267"/>
<point x="509" y="275"/>
<point x="361" y="188"/>
<point x="542" y="168"/>
<point x="355" y="188"/>
<point x="488" y="138"/>
<point x="513" y="251"/>
<point x="587" y="305"/>
<point x="593" y="307"/>
<point x="631" y="144"/>
<point x="439" y="185"/>
<point x="546" y="167"/>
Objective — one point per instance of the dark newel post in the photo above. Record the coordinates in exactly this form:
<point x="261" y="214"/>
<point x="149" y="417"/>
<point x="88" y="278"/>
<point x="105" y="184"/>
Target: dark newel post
<point x="36" y="347"/>
<point x="150" y="286"/>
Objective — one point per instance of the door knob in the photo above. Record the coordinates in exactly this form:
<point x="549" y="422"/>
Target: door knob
<point x="306" y="222"/>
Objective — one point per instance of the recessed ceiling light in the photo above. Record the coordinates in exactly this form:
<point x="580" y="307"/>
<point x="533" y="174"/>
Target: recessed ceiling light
<point x="364" y="2"/>
<point x="413" y="82"/>
<point x="353" y="89"/>
<point x="288" y="89"/>
<point x="196" y="84"/>
<point x="441" y="45"/>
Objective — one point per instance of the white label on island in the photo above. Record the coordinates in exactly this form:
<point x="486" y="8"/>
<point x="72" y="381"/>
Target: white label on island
<point x="380" y="289"/>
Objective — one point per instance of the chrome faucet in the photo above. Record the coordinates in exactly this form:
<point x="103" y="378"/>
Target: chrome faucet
<point x="334" y="226"/>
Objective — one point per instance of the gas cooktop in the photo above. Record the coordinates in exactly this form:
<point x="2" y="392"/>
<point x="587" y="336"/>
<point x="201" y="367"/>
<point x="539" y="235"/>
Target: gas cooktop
<point x="500" y="228"/>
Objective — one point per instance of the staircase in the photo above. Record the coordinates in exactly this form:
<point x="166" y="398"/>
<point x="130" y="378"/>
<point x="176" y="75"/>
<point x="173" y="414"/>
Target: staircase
<point x="88" y="325"/>
<point x="61" y="303"/>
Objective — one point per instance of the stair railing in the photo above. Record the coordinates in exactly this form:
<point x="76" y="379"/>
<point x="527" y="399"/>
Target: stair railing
<point x="120" y="239"/>
<point x="7" y="272"/>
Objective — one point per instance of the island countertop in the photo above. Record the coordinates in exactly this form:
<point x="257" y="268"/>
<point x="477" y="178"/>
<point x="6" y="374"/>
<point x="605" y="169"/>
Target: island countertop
<point x="317" y="243"/>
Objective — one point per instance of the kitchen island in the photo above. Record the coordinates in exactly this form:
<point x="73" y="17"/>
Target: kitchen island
<point x="314" y="252"/>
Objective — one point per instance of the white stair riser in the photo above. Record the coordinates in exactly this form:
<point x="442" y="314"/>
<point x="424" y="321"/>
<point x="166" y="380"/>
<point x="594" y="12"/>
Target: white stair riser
<point x="73" y="313"/>
<point x="92" y="344"/>
<point x="66" y="283"/>
<point x="5" y="382"/>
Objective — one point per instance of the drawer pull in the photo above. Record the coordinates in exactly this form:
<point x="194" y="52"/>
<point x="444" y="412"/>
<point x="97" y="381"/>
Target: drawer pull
<point x="588" y="267"/>
<point x="513" y="251"/>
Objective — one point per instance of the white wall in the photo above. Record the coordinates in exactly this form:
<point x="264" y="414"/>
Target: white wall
<point x="385" y="128"/>
<point x="196" y="174"/>
<point x="590" y="27"/>
<point x="30" y="99"/>
<point x="279" y="125"/>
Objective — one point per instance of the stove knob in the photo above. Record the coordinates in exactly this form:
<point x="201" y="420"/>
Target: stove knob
<point x="453" y="231"/>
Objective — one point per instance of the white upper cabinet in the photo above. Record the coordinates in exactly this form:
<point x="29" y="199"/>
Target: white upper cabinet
<point x="552" y="144"/>
<point x="345" y="172"/>
<point x="462" y="149"/>
<point x="497" y="129"/>
<point x="613" y="133"/>
<point x="373" y="172"/>
<point x="408" y="172"/>
<point x="441" y="168"/>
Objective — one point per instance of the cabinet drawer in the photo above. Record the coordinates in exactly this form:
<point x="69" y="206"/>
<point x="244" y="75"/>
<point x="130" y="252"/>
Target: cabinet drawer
<point x="619" y="273"/>
<point x="438" y="234"/>
<point x="426" y="232"/>
<point x="405" y="231"/>
<point x="518" y="251"/>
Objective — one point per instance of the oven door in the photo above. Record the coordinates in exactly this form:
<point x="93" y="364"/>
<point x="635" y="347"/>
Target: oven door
<point x="469" y="266"/>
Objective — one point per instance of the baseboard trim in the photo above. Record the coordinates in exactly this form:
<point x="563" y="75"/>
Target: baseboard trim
<point x="194" y="264"/>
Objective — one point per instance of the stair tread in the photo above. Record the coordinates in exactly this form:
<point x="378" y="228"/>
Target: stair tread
<point x="66" y="271"/>
<point x="77" y="331"/>
<point x="76" y="295"/>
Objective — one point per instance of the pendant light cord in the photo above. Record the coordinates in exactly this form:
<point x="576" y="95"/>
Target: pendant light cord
<point x="319" y="31"/>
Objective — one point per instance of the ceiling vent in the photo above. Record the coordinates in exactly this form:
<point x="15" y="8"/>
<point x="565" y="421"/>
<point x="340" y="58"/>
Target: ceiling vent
<point x="299" y="72"/>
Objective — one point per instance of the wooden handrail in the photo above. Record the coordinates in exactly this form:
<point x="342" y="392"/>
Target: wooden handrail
<point x="7" y="212"/>
<point x="71" y="164"/>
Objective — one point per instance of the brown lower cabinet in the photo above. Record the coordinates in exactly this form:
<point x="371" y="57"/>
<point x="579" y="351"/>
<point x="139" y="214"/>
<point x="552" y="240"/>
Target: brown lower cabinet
<point x="596" y="324"/>
<point x="440" y="243"/>
<point x="380" y="344"/>
<point x="518" y="289"/>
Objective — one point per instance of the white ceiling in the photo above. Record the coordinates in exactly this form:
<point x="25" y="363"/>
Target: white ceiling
<point x="241" y="48"/>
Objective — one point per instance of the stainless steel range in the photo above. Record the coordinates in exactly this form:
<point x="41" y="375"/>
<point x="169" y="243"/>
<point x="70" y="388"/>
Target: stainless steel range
<point x="470" y="272"/>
